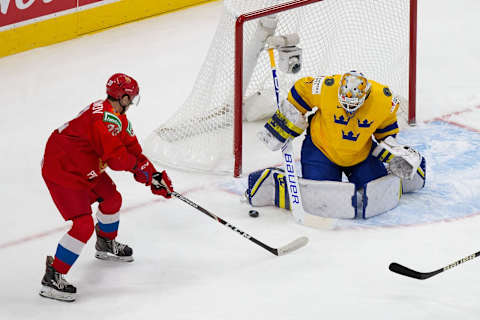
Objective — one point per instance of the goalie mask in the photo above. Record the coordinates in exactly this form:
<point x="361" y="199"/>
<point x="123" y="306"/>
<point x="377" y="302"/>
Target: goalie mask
<point x="354" y="89"/>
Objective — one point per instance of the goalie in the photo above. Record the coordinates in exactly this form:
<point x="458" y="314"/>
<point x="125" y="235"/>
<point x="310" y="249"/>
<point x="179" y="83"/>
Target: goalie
<point x="351" y="132"/>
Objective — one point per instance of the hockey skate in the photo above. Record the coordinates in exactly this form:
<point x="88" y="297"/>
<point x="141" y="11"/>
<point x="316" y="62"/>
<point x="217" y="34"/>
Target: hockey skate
<point x="54" y="285"/>
<point x="112" y="250"/>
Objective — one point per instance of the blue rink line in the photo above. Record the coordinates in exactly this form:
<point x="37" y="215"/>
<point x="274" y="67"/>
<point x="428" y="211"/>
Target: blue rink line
<point x="452" y="188"/>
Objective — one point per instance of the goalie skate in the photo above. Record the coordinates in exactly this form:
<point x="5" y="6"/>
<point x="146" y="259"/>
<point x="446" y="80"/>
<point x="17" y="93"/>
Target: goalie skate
<point x="54" y="285"/>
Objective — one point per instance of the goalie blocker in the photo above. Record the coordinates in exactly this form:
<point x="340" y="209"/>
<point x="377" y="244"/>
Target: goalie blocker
<point x="333" y="199"/>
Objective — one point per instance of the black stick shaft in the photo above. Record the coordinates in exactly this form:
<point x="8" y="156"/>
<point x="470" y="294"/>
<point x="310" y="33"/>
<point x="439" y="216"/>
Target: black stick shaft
<point x="225" y="223"/>
<point x="400" y="269"/>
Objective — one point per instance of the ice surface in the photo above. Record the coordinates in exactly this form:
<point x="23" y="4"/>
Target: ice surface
<point x="187" y="266"/>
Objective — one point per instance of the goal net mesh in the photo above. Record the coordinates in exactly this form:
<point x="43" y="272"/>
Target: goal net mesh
<point x="371" y="36"/>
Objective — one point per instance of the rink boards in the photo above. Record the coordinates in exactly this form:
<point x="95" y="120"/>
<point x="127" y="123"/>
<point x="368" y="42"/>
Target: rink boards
<point x="29" y="24"/>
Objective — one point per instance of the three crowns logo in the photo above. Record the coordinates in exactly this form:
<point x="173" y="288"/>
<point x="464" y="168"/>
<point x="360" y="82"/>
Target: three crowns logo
<point x="340" y="120"/>
<point x="364" y="124"/>
<point x="350" y="136"/>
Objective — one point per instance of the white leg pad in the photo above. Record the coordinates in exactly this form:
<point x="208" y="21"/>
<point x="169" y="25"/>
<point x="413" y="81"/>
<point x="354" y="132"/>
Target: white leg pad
<point x="329" y="198"/>
<point x="381" y="195"/>
<point x="320" y="198"/>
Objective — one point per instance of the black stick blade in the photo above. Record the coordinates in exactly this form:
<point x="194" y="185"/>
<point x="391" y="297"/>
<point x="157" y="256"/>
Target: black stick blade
<point x="404" y="271"/>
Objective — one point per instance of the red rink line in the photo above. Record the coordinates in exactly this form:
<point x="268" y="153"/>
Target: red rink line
<point x="32" y="237"/>
<point x="65" y="228"/>
<point x="446" y="118"/>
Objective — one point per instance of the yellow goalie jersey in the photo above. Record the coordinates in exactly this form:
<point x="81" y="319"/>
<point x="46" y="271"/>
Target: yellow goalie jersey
<point x="345" y="139"/>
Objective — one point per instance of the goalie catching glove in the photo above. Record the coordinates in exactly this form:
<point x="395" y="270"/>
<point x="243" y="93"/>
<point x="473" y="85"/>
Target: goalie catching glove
<point x="403" y="160"/>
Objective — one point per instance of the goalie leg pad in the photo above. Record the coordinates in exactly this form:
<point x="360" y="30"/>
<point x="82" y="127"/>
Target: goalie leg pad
<point x="323" y="198"/>
<point x="381" y="195"/>
<point x="330" y="199"/>
<point x="267" y="187"/>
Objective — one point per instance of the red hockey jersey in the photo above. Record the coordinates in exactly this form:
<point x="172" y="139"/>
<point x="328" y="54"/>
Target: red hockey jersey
<point x="77" y="152"/>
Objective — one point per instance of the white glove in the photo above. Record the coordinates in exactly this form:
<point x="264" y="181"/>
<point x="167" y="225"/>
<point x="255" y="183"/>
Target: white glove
<point x="406" y="160"/>
<point x="401" y="168"/>
<point x="286" y="116"/>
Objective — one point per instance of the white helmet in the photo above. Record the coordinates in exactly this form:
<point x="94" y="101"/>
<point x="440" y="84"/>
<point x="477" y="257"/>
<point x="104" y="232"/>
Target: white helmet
<point x="354" y="89"/>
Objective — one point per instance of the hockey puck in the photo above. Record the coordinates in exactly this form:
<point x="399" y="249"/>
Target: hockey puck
<point x="253" y="213"/>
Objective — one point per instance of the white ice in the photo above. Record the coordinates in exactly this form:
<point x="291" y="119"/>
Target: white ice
<point x="188" y="266"/>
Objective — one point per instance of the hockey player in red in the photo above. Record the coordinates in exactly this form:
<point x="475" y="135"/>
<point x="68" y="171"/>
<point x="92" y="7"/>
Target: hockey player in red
<point x="73" y="167"/>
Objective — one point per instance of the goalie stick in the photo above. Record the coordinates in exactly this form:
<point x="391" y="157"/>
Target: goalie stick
<point x="404" y="271"/>
<point x="294" y="245"/>
<point x="291" y="177"/>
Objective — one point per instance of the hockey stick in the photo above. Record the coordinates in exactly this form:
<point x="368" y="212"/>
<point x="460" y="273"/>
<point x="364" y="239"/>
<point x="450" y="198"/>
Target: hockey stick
<point x="294" y="245"/>
<point x="291" y="177"/>
<point x="404" y="271"/>
<point x="288" y="160"/>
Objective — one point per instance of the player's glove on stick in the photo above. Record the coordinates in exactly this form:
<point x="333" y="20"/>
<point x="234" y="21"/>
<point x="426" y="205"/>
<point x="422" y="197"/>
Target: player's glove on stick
<point x="161" y="184"/>
<point x="143" y="170"/>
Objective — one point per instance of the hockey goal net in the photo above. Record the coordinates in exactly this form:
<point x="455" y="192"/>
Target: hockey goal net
<point x="209" y="131"/>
